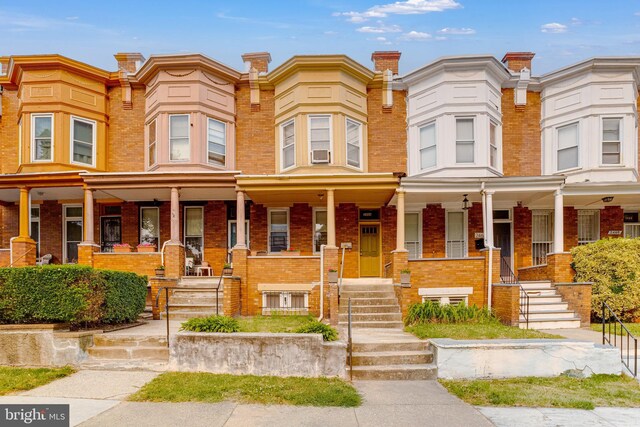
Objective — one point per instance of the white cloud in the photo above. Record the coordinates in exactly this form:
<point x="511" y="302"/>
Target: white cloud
<point x="415" y="36"/>
<point x="554" y="28"/>
<point x="576" y="21"/>
<point x="408" y="7"/>
<point x="382" y="40"/>
<point x="380" y="29"/>
<point x="457" y="31"/>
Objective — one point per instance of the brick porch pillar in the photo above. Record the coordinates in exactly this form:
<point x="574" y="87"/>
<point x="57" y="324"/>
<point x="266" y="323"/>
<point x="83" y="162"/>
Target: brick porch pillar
<point x="506" y="303"/>
<point x="334" y="304"/>
<point x="400" y="261"/>
<point x="174" y="260"/>
<point x="88" y="247"/>
<point x="241" y="271"/>
<point x="231" y="296"/>
<point x="559" y="267"/>
<point x="23" y="247"/>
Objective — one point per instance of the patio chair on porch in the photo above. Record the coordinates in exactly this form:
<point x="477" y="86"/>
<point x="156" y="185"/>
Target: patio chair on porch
<point x="44" y="260"/>
<point x="189" y="266"/>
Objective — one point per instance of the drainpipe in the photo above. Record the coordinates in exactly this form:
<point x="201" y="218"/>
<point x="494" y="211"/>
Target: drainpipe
<point x="162" y="252"/>
<point x="490" y="247"/>
<point x="321" y="282"/>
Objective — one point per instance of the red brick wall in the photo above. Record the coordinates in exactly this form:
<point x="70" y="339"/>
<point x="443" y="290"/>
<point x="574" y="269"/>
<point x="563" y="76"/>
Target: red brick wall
<point x="521" y="135"/>
<point x="474" y="226"/>
<point x="301" y="228"/>
<point x="9" y="132"/>
<point x="522" y="237"/>
<point x="347" y="230"/>
<point x="215" y="234"/>
<point x="258" y="228"/>
<point x="125" y="136"/>
<point x="433" y="232"/>
<point x="570" y="227"/>
<point x="387" y="135"/>
<point x="611" y="218"/>
<point x="255" y="133"/>
<point x="10" y="224"/>
<point x="389" y="217"/>
<point x="51" y="230"/>
<point x="131" y="224"/>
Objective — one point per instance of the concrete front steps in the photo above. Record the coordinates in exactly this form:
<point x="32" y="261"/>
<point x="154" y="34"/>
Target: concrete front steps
<point x="127" y="352"/>
<point x="373" y="304"/>
<point x="547" y="310"/>
<point x="195" y="296"/>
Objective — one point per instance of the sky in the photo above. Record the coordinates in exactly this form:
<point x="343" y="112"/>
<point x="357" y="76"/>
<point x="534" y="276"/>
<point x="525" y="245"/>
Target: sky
<point x="560" y="32"/>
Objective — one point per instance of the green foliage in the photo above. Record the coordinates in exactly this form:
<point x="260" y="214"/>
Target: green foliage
<point x="20" y="379"/>
<point x="487" y="330"/>
<point x="613" y="265"/>
<point x="316" y="327"/>
<point x="223" y="324"/>
<point x="69" y="294"/>
<point x="273" y="323"/>
<point x="430" y="311"/>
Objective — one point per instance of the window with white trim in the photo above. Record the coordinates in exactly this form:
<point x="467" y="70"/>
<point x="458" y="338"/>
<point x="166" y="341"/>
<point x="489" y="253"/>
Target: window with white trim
<point x="541" y="235"/>
<point x="216" y="142"/>
<point x="465" y="140"/>
<point x="493" y="145"/>
<point x="456" y="234"/>
<point x="412" y="240"/>
<point x="320" y="139"/>
<point x="447" y="299"/>
<point x="631" y="225"/>
<point x="278" y="230"/>
<point x="83" y="134"/>
<point x="290" y="302"/>
<point x="42" y="137"/>
<point x="288" y="136"/>
<point x="611" y="141"/>
<point x="150" y="225"/>
<point x="152" y="136"/>
<point x="567" y="155"/>
<point x="354" y="143"/>
<point x="319" y="229"/>
<point x="428" y="154"/>
<point x="35" y="227"/>
<point x="179" y="147"/>
<point x="588" y="226"/>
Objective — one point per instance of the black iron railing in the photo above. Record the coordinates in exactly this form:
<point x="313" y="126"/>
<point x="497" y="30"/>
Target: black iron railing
<point x="508" y="276"/>
<point x="628" y="343"/>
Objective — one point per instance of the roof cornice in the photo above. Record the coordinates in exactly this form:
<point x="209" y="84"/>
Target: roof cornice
<point x="179" y="61"/>
<point x="321" y="62"/>
<point x="457" y="63"/>
<point x="18" y="64"/>
<point x="613" y="63"/>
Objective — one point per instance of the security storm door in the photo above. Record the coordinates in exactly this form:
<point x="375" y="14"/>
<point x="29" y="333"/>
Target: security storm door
<point x="456" y="235"/>
<point x="502" y="240"/>
<point x="193" y="234"/>
<point x="110" y="232"/>
<point x="369" y="250"/>
<point x="73" y="233"/>
<point x="541" y="235"/>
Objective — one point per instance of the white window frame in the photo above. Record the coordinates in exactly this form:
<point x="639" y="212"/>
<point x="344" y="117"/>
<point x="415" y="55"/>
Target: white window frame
<point x="140" y="223"/>
<point x="94" y="126"/>
<point x="269" y="210"/>
<point x="419" y="242"/>
<point x="154" y="143"/>
<point x="620" y="139"/>
<point x="465" y="226"/>
<point x="31" y="221"/>
<point x="627" y="232"/>
<point x="360" y="143"/>
<point x="313" y="227"/>
<point x="224" y="125"/>
<point x="188" y="137"/>
<point x="291" y="122"/>
<point x="471" y="142"/>
<point x="285" y="302"/>
<point x="19" y="141"/>
<point x="247" y="233"/>
<point x="445" y="295"/>
<point x="596" y="214"/>
<point x="494" y="145"/>
<point x="434" y="146"/>
<point x="33" y="137"/>
<point x="309" y="117"/>
<point x="65" y="219"/>
<point x="557" y="146"/>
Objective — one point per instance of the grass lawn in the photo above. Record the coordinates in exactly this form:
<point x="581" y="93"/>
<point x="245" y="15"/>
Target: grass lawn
<point x="557" y="392"/>
<point x="203" y="387"/>
<point x="21" y="379"/>
<point x="474" y="331"/>
<point x="272" y="323"/>
<point x="634" y="328"/>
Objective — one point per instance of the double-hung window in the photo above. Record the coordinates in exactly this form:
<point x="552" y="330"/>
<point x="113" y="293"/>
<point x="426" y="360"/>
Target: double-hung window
<point x="567" y="147"/>
<point x="319" y="229"/>
<point x="428" y="146"/>
<point x="83" y="134"/>
<point x="611" y="141"/>
<point x="153" y="137"/>
<point x="493" y="146"/>
<point x="412" y="234"/>
<point x="288" y="137"/>
<point x="42" y="137"/>
<point x="354" y="143"/>
<point x="150" y="226"/>
<point x="216" y="142"/>
<point x="631" y="225"/>
<point x="320" y="139"/>
<point x="456" y="234"/>
<point x="465" y="141"/>
<point x="588" y="226"/>
<point x="278" y="230"/>
<point x="179" y="146"/>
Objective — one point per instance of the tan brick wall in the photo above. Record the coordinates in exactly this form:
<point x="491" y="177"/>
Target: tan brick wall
<point x="578" y="297"/>
<point x="125" y="137"/>
<point x="139" y="263"/>
<point x="538" y="272"/>
<point x="389" y="225"/>
<point x="9" y="132"/>
<point x="559" y="268"/>
<point x="215" y="234"/>
<point x="433" y="232"/>
<point x="156" y="283"/>
<point x="51" y="230"/>
<point x="521" y="141"/>
<point x="24" y="253"/>
<point x="5" y="258"/>
<point x="231" y="296"/>
<point x="347" y="230"/>
<point x="255" y="133"/>
<point x="10" y="223"/>
<point x="505" y="303"/>
<point x="387" y="135"/>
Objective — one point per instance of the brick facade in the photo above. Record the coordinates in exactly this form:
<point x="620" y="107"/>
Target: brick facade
<point x="611" y="219"/>
<point x="255" y="134"/>
<point x="433" y="232"/>
<point x="387" y="136"/>
<point x="521" y="140"/>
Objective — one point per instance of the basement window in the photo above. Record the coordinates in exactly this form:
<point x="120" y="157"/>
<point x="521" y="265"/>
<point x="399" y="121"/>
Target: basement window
<point x="443" y="296"/>
<point x="447" y="300"/>
<point x="276" y="302"/>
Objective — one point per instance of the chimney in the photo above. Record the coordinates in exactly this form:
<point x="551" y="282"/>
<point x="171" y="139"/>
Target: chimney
<point x="516" y="61"/>
<point x="258" y="60"/>
<point x="129" y="62"/>
<point x="386" y="60"/>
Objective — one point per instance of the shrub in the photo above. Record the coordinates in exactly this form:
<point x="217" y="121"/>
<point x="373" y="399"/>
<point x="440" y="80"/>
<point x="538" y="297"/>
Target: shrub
<point x="316" y="327"/>
<point x="69" y="294"/>
<point x="433" y="312"/>
<point x="613" y="265"/>
<point x="223" y="324"/>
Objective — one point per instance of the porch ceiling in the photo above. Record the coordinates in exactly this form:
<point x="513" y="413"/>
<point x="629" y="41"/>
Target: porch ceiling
<point x="164" y="193"/>
<point x="43" y="193"/>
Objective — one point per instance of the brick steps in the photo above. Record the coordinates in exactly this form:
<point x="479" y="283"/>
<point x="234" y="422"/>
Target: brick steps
<point x="551" y="323"/>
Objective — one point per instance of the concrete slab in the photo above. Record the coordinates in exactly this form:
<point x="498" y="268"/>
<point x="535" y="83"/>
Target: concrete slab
<point x="88" y="384"/>
<point x="510" y="417"/>
<point x="551" y="417"/>
<point x="79" y="409"/>
<point x="281" y="415"/>
<point x="620" y="417"/>
<point x="405" y="393"/>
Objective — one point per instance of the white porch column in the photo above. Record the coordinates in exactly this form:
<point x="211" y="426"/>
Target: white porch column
<point x="400" y="221"/>
<point x="558" y="223"/>
<point x="240" y="230"/>
<point x="175" y="215"/>
<point x="88" y="216"/>
<point x="488" y="226"/>
<point x="331" y="219"/>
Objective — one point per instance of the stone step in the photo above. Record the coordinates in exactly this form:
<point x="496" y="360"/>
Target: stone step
<point x="367" y="281"/>
<point x="365" y="287"/>
<point x="391" y="308"/>
<point x="209" y="308"/>
<point x="384" y="358"/>
<point x="541" y="292"/>
<point x="395" y="372"/>
<point x="195" y="300"/>
<point x="544" y="298"/>
<point x="186" y="315"/>
<point x="368" y="294"/>
<point x="537" y="306"/>
<point x="551" y="314"/>
<point x="389" y="346"/>
<point x="125" y="352"/>
<point x="117" y="340"/>
<point x="551" y="323"/>
<point x="376" y="324"/>
<point x="533" y="284"/>
<point x="344" y="302"/>
<point x="183" y="293"/>
<point x="358" y="317"/>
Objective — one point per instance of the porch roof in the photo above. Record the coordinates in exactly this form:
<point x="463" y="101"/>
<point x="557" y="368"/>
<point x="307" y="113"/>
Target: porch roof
<point x="373" y="189"/>
<point x="44" y="185"/>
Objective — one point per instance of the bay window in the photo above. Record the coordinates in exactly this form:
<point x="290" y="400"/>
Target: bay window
<point x="288" y="138"/>
<point x="42" y="137"/>
<point x="428" y="146"/>
<point x="216" y="142"/>
<point x="152" y="137"/>
<point x="465" y="142"/>
<point x="354" y="143"/>
<point x="320" y="139"/>
<point x="493" y="146"/>
<point x="82" y="141"/>
<point x="611" y="141"/>
<point x="179" y="137"/>
<point x="567" y="154"/>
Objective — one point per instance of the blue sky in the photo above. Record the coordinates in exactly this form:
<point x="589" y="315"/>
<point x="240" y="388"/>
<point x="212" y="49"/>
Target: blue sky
<point x="560" y="32"/>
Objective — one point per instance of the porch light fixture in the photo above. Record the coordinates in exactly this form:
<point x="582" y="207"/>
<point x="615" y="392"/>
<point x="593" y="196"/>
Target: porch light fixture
<point x="465" y="203"/>
<point x="607" y="199"/>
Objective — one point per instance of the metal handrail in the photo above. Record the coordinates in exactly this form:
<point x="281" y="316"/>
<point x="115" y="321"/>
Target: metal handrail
<point x="512" y="279"/>
<point x="387" y="266"/>
<point x="349" y="341"/>
<point x="607" y="315"/>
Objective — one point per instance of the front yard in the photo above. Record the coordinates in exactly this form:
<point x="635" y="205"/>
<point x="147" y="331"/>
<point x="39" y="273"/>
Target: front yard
<point x="634" y="328"/>
<point x="21" y="379"/>
<point x="273" y="324"/>
<point x="490" y="329"/>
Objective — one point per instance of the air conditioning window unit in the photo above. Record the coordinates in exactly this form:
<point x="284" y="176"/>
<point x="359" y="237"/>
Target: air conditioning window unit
<point x="320" y="156"/>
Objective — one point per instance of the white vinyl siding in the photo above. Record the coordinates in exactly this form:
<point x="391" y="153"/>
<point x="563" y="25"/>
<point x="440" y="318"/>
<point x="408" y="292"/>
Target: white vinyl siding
<point x="354" y="143"/>
<point x="42" y="137"/>
<point x="541" y="235"/>
<point x="412" y="235"/>
<point x="179" y="146"/>
<point x="428" y="151"/>
<point x="456" y="234"/>
<point x="611" y="139"/>
<point x="567" y="155"/>
<point x="216" y="142"/>
<point x="288" y="138"/>
<point x="465" y="141"/>
<point x="83" y="137"/>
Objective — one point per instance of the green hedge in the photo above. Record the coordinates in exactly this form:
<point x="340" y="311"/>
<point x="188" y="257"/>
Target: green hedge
<point x="70" y="294"/>
<point x="613" y="265"/>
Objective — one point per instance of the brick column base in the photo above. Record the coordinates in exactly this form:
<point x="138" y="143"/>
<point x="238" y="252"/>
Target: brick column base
<point x="156" y="283"/>
<point x="231" y="296"/>
<point x="334" y="304"/>
<point x="174" y="260"/>
<point x="241" y="271"/>
<point x="331" y="261"/>
<point x="23" y="252"/>
<point x="505" y="302"/>
<point x="399" y="262"/>
<point x="559" y="268"/>
<point x="578" y="297"/>
<point x="85" y="253"/>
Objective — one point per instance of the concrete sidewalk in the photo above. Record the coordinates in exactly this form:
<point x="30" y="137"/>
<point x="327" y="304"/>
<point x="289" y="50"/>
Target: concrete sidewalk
<point x="550" y="417"/>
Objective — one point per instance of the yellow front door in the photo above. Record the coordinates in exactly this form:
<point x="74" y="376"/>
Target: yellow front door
<point x="369" y="251"/>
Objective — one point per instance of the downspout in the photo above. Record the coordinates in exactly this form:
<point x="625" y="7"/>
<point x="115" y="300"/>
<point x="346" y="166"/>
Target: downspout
<point x="490" y="247"/>
<point x="321" y="282"/>
<point x="162" y="252"/>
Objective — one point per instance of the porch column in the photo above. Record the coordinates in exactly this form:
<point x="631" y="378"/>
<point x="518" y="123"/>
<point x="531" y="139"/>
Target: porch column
<point x="240" y="230"/>
<point x="88" y="216"/>
<point x="25" y="214"/>
<point x="331" y="219"/>
<point x="488" y="226"/>
<point x="558" y="223"/>
<point x="175" y="215"/>
<point x="400" y="222"/>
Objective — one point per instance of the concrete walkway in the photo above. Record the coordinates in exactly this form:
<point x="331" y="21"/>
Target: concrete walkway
<point x="551" y="417"/>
